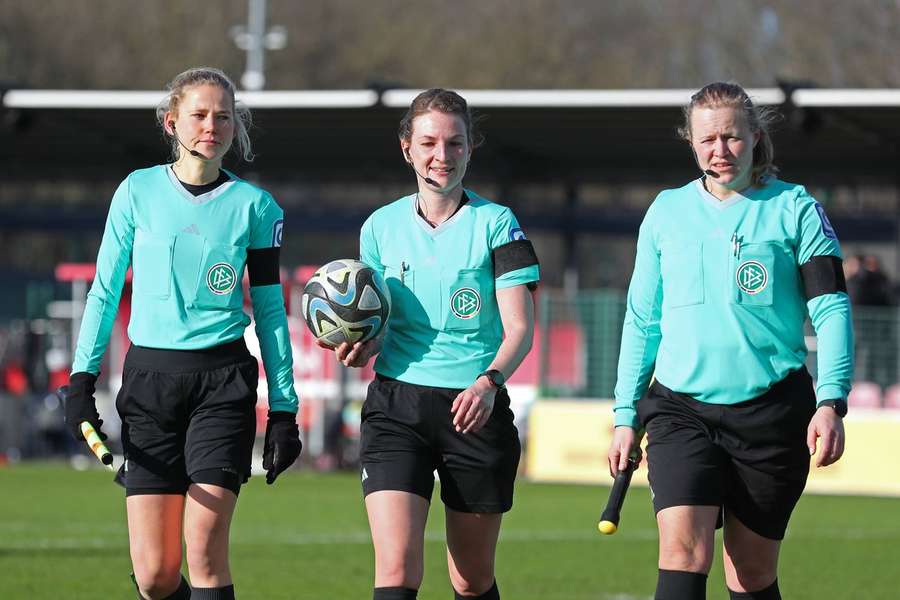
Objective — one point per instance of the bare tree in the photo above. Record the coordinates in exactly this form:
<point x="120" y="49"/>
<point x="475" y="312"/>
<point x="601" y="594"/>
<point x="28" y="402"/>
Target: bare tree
<point x="131" y="44"/>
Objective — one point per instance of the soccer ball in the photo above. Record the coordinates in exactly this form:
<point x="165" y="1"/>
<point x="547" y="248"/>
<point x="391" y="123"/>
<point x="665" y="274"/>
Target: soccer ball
<point x="345" y="301"/>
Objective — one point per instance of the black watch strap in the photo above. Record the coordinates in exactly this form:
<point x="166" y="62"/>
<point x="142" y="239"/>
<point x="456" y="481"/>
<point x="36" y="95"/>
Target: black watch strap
<point x="495" y="377"/>
<point x="839" y="405"/>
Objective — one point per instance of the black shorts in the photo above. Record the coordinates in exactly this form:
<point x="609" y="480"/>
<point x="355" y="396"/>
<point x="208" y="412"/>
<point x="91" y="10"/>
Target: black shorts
<point x="407" y="433"/>
<point x="750" y="458"/>
<point x="188" y="416"/>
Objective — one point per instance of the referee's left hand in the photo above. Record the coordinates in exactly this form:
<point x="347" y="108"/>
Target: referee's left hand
<point x="282" y="445"/>
<point x="473" y="406"/>
<point x="826" y="424"/>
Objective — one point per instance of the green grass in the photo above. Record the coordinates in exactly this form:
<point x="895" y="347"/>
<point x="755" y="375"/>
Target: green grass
<point x="63" y="535"/>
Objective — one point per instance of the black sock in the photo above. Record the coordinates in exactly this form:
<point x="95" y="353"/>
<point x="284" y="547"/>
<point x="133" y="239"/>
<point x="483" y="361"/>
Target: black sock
<point x="680" y="585"/>
<point x="491" y="594"/>
<point x="219" y="593"/>
<point x="770" y="593"/>
<point x="182" y="593"/>
<point x="394" y="593"/>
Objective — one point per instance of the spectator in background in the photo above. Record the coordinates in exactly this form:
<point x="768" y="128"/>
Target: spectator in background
<point x="867" y="283"/>
<point x="852" y="265"/>
<point x="869" y="286"/>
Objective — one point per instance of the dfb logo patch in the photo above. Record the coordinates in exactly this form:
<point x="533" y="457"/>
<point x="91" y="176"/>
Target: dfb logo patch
<point x="752" y="277"/>
<point x="221" y="279"/>
<point x="465" y="303"/>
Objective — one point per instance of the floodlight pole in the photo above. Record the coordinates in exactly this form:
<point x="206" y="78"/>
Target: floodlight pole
<point x="255" y="40"/>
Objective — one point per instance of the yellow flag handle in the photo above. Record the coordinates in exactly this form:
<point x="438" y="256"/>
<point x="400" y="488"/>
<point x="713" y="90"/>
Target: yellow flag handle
<point x="96" y="444"/>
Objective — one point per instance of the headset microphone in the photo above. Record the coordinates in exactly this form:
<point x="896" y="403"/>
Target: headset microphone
<point x="709" y="172"/>
<point x="427" y="180"/>
<point x="175" y="135"/>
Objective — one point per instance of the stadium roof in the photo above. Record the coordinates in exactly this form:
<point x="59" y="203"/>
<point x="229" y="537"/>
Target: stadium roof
<point x="829" y="136"/>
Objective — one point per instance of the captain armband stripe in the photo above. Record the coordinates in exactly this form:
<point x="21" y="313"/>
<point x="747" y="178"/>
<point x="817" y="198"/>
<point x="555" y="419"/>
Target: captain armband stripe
<point x="263" y="266"/>
<point x="823" y="275"/>
<point x="513" y="256"/>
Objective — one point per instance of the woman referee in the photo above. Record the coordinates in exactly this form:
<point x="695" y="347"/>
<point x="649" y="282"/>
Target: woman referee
<point x="460" y="272"/>
<point x="188" y="394"/>
<point x="728" y="267"/>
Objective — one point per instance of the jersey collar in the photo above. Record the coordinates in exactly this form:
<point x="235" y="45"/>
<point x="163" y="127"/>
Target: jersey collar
<point x="715" y="202"/>
<point x="433" y="231"/>
<point x="202" y="198"/>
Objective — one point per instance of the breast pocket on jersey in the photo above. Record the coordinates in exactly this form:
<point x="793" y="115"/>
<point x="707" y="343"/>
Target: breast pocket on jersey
<point x="681" y="266"/>
<point x="151" y="264"/>
<point x="401" y="279"/>
<point x="464" y="296"/>
<point x="219" y="279"/>
<point x="754" y="274"/>
<point x="406" y="308"/>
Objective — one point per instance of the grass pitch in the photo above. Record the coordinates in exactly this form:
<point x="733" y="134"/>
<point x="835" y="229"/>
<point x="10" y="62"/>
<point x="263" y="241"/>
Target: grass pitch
<point x="63" y="535"/>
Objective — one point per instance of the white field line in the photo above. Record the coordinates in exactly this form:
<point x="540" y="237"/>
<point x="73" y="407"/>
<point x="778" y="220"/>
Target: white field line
<point x="20" y="527"/>
<point x="360" y="537"/>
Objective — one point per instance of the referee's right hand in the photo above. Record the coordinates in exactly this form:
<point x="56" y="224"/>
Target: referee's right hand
<point x="359" y="354"/>
<point x="623" y="445"/>
<point x="80" y="404"/>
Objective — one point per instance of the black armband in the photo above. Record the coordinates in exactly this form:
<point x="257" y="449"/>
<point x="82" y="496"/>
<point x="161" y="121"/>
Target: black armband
<point x="515" y="255"/>
<point x="262" y="266"/>
<point x="823" y="275"/>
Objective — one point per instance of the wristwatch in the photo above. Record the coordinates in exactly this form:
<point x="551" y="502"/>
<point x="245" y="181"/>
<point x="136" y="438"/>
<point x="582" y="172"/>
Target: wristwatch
<point x="839" y="405"/>
<point x="495" y="377"/>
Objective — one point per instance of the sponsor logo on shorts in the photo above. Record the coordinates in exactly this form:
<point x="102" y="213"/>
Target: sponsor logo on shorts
<point x="465" y="303"/>
<point x="516" y="233"/>
<point x="752" y="277"/>
<point x="365" y="474"/>
<point x="221" y="278"/>
<point x="277" y="228"/>
<point x="827" y="228"/>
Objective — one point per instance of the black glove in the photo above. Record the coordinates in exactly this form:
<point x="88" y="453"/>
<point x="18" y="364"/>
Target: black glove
<point x="80" y="404"/>
<point x="282" y="446"/>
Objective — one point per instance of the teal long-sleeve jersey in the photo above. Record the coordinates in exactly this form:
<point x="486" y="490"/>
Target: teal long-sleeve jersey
<point x="187" y="256"/>
<point x="720" y="293"/>
<point x="445" y="326"/>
